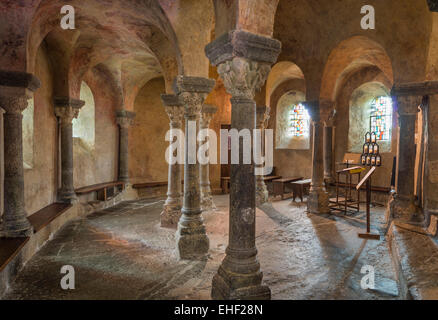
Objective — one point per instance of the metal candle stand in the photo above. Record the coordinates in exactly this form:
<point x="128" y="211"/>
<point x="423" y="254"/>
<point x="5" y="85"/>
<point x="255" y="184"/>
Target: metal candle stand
<point x="371" y="158"/>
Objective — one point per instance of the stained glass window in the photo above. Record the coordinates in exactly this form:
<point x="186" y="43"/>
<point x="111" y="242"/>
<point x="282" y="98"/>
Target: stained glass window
<point x="298" y="121"/>
<point x="381" y="118"/>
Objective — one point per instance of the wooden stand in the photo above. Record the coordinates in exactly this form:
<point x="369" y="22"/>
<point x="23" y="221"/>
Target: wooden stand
<point x="367" y="179"/>
<point x="345" y="202"/>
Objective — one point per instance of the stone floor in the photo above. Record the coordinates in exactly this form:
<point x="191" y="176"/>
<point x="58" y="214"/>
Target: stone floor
<point x="122" y="253"/>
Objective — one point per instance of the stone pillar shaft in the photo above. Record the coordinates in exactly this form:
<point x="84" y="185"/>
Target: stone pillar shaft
<point x="15" y="89"/>
<point x="192" y="240"/>
<point x="244" y="61"/>
<point x="404" y="204"/>
<point x="67" y="109"/>
<point x="125" y="120"/>
<point x="328" y="153"/>
<point x="14" y="220"/>
<point x="206" y="198"/>
<point x="172" y="207"/>
<point x="318" y="201"/>
<point x="262" y="194"/>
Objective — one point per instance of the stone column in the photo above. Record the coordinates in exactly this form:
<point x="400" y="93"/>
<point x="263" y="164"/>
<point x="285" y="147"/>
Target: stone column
<point x="262" y="116"/>
<point x="207" y="204"/>
<point x="192" y="240"/>
<point x="328" y="152"/>
<point x="124" y="119"/>
<point x="172" y="207"/>
<point x="67" y="109"/>
<point x="329" y="132"/>
<point x="244" y="61"/>
<point x="407" y="110"/>
<point x="318" y="201"/>
<point x="15" y="89"/>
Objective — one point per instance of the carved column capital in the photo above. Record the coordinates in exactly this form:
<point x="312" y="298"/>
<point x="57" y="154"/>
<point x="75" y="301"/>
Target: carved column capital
<point x="192" y="92"/>
<point x="243" y="77"/>
<point x="207" y="113"/>
<point x="125" y="118"/>
<point x="67" y="108"/>
<point x="407" y="105"/>
<point x="174" y="109"/>
<point x="13" y="105"/>
<point x="263" y="115"/>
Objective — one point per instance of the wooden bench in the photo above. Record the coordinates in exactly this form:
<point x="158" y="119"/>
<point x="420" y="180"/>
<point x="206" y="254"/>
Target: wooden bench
<point x="225" y="182"/>
<point x="43" y="217"/>
<point x="279" y="185"/>
<point x="104" y="191"/>
<point x="149" y="184"/>
<point x="10" y="248"/>
<point x="299" y="188"/>
<point x="225" y="185"/>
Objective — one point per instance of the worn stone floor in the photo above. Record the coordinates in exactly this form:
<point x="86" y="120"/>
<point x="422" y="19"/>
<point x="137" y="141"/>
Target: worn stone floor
<point x="122" y="253"/>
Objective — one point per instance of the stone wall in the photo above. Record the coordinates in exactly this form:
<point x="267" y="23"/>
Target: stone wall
<point x="41" y="181"/>
<point x="98" y="164"/>
<point x="147" y="143"/>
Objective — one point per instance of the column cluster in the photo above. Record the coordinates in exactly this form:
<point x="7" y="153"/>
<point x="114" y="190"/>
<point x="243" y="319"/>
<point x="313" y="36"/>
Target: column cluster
<point x="207" y="204"/>
<point x="192" y="240"/>
<point x="172" y="207"/>
<point x="262" y="117"/>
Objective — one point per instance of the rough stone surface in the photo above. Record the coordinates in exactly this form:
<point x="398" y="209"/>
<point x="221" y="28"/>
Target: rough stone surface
<point x="122" y="253"/>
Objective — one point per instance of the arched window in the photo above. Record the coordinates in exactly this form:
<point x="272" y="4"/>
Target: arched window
<point x="292" y="129"/>
<point x="299" y="121"/>
<point x="83" y="126"/>
<point x="381" y="118"/>
<point x="28" y="115"/>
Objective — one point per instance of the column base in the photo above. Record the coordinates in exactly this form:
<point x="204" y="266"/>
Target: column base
<point x="318" y="201"/>
<point x="405" y="210"/>
<point x="16" y="229"/>
<point x="191" y="238"/>
<point x="207" y="203"/>
<point x="234" y="286"/>
<point x="68" y="197"/>
<point x="262" y="195"/>
<point x="170" y="216"/>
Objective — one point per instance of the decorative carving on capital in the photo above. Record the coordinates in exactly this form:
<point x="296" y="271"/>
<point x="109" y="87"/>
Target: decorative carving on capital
<point x="192" y="92"/>
<point x="263" y="114"/>
<point x="433" y="5"/>
<point x="67" y="108"/>
<point x="13" y="105"/>
<point x="66" y="114"/>
<point x="329" y="118"/>
<point x="193" y="102"/>
<point x="176" y="115"/>
<point x="243" y="77"/>
<point x="207" y="113"/>
<point x="408" y="105"/>
<point x="125" y="118"/>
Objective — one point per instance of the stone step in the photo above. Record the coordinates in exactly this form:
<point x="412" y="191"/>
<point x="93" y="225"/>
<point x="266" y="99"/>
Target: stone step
<point x="415" y="257"/>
